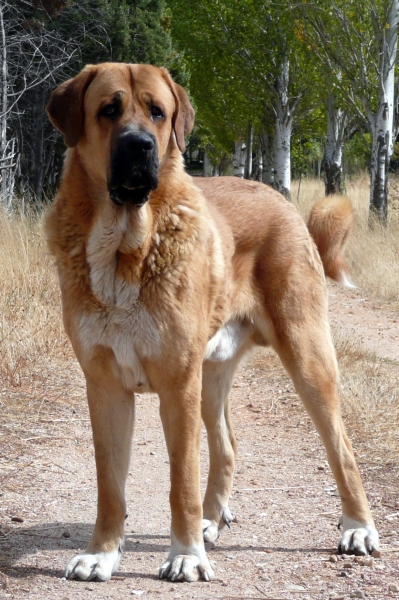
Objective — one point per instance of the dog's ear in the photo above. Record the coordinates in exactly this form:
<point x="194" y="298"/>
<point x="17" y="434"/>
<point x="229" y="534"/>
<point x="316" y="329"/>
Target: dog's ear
<point x="183" y="117"/>
<point x="65" y="107"/>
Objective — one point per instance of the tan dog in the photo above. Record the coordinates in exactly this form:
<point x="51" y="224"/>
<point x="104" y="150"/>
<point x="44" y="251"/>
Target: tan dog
<point x="165" y="286"/>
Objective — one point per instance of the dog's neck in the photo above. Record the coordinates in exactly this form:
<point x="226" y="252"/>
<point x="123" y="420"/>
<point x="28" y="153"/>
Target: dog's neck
<point x="127" y="245"/>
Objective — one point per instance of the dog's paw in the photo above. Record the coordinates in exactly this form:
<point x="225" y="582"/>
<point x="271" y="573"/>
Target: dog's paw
<point x="357" y="538"/>
<point x="186" y="567"/>
<point x="186" y="564"/>
<point x="211" y="529"/>
<point x="88" y="567"/>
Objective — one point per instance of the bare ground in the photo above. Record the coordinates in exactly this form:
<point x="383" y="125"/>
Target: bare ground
<point x="284" y="496"/>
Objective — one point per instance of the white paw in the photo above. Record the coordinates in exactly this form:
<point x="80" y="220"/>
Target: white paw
<point x="98" y="566"/>
<point x="186" y="564"/>
<point x="357" y="538"/>
<point x="211" y="530"/>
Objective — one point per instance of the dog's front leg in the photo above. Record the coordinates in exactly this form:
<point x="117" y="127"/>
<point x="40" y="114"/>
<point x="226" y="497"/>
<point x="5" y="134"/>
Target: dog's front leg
<point x="181" y="419"/>
<point x="112" y="418"/>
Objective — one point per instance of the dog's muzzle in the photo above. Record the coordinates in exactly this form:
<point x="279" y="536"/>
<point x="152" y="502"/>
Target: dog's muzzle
<point x="134" y="167"/>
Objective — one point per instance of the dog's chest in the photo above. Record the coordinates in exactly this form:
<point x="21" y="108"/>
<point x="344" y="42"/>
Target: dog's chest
<point x="132" y="335"/>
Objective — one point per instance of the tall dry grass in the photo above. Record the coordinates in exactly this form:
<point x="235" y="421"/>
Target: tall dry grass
<point x="373" y="254"/>
<point x="31" y="328"/>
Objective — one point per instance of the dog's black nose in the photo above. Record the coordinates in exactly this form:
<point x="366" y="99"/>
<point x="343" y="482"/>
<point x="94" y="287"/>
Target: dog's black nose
<point x="135" y="142"/>
<point x="134" y="166"/>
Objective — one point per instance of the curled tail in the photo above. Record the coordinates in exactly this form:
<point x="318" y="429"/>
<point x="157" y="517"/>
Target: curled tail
<point x="330" y="223"/>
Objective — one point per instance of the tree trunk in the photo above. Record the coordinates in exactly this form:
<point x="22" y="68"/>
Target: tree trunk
<point x="37" y="167"/>
<point x="267" y="145"/>
<point x="379" y="167"/>
<point x="239" y="159"/>
<point x="207" y="167"/>
<point x="332" y="161"/>
<point x="382" y="121"/>
<point x="248" y="154"/>
<point x="283" y="131"/>
<point x="257" y="170"/>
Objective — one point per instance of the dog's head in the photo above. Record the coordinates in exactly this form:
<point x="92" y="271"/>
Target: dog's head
<point x="122" y="118"/>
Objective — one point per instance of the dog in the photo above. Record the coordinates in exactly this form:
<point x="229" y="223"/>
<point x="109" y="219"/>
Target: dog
<point x="166" y="283"/>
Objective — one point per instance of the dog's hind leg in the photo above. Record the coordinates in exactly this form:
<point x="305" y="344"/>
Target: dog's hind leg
<point x="303" y="341"/>
<point x="112" y="418"/>
<point x="217" y="379"/>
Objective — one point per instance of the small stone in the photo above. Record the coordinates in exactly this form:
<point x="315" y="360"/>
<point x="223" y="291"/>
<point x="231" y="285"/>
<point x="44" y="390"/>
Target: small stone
<point x="347" y="565"/>
<point x="17" y="519"/>
<point x="376" y="554"/>
<point x="357" y="594"/>
<point x="335" y="597"/>
<point x="333" y="558"/>
<point x="66" y="533"/>
<point x="321" y="468"/>
<point x="367" y="561"/>
<point x="152" y="454"/>
<point x="294" y="587"/>
<point x="268" y="551"/>
<point x="344" y="574"/>
<point x="393" y="587"/>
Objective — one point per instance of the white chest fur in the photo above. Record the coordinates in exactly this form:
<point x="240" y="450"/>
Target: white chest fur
<point x="131" y="334"/>
<point x="124" y="326"/>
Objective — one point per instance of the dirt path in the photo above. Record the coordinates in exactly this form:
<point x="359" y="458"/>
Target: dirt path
<point x="284" y="495"/>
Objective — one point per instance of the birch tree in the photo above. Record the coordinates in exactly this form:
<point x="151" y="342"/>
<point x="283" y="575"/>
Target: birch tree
<point x="251" y="47"/>
<point x="337" y="120"/>
<point x="356" y="41"/>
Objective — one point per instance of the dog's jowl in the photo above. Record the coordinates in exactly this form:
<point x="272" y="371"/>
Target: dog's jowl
<point x="166" y="284"/>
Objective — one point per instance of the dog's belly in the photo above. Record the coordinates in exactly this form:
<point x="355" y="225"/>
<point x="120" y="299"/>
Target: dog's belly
<point x="228" y="341"/>
<point x="131" y="335"/>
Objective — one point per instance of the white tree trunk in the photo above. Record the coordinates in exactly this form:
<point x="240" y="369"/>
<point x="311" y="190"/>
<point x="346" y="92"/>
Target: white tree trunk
<point x="248" y="157"/>
<point x="239" y="159"/>
<point x="379" y="163"/>
<point x="283" y="124"/>
<point x="207" y="166"/>
<point x="257" y="168"/>
<point x="332" y="161"/>
<point x="382" y="120"/>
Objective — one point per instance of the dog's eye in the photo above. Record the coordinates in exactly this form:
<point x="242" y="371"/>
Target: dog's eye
<point x="156" y="112"/>
<point x="110" y="111"/>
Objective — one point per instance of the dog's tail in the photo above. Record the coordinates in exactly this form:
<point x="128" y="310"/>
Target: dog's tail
<point x="330" y="223"/>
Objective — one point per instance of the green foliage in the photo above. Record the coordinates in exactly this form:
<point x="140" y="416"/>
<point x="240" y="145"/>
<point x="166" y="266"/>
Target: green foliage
<point x="306" y="156"/>
<point x="139" y="31"/>
<point x="357" y="152"/>
<point x="346" y="37"/>
<point x="234" y="51"/>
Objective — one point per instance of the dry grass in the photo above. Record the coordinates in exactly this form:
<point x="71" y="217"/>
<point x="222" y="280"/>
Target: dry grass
<point x="370" y="398"/>
<point x="372" y="254"/>
<point x="30" y="318"/>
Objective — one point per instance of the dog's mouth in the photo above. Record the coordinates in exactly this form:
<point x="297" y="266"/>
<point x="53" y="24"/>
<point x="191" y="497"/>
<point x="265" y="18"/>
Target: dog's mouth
<point x="135" y="195"/>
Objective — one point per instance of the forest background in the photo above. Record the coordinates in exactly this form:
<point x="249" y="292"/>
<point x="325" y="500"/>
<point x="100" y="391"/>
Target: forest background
<point x="282" y="90"/>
